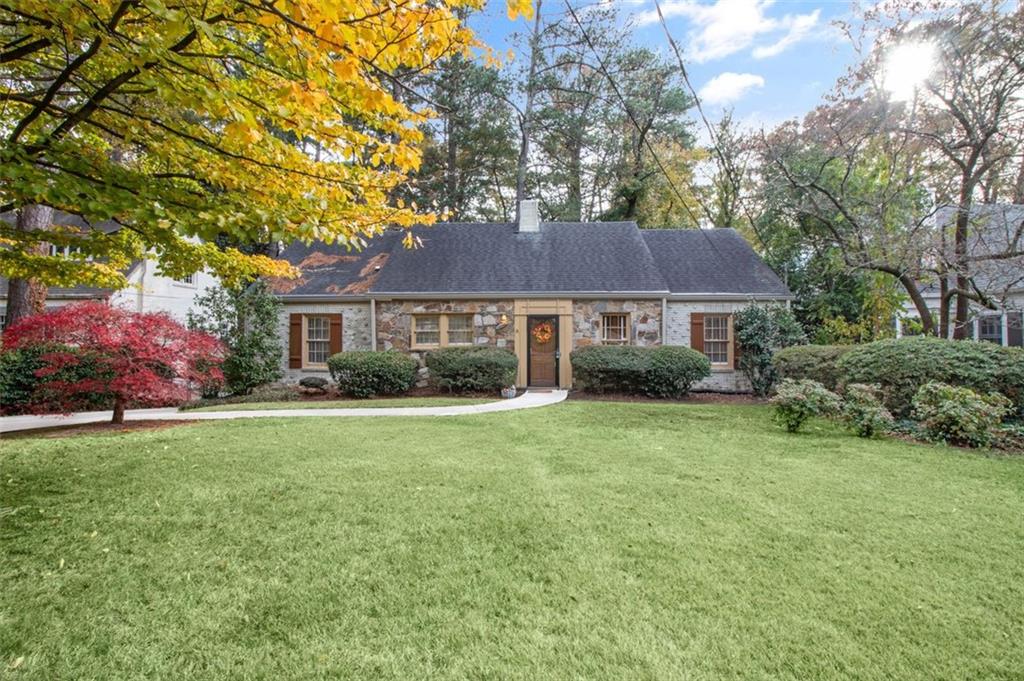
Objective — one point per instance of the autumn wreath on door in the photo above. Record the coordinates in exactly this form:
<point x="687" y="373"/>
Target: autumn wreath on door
<point x="543" y="332"/>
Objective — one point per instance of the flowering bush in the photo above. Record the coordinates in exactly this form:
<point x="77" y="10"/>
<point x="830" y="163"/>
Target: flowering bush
<point x="797" y="401"/>
<point x="863" y="411"/>
<point x="959" y="415"/>
<point x="93" y="352"/>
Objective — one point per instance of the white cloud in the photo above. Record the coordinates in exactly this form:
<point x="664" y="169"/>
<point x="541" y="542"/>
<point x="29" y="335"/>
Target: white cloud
<point x="799" y="26"/>
<point x="728" y="87"/>
<point x="725" y="27"/>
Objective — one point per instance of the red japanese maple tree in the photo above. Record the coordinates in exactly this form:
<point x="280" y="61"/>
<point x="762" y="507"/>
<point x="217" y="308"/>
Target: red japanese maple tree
<point x="99" y="353"/>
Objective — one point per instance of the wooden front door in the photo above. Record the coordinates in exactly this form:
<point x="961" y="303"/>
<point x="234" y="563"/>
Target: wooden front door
<point x="542" y="360"/>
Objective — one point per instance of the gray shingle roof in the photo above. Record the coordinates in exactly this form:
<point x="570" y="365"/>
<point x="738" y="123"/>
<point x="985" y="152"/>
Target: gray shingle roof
<point x="711" y="261"/>
<point x="333" y="270"/>
<point x="493" y="258"/>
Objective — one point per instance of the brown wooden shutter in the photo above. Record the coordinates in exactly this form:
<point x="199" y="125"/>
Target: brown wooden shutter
<point x="735" y="343"/>
<point x="294" y="341"/>
<point x="697" y="331"/>
<point x="335" y="333"/>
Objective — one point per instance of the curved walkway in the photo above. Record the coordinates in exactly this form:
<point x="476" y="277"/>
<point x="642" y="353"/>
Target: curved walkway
<point x="527" y="400"/>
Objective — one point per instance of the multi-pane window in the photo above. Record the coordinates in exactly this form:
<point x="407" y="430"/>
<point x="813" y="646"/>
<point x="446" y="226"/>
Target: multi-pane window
<point x="990" y="328"/>
<point x="716" y="338"/>
<point x="187" y="280"/>
<point x="318" y="339"/>
<point x="426" y="330"/>
<point x="460" y="329"/>
<point x="614" y="329"/>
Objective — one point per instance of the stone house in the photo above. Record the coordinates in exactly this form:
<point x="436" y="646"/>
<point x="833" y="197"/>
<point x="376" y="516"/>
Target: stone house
<point x="539" y="289"/>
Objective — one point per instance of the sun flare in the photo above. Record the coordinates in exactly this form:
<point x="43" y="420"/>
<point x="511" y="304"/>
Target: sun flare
<point x="906" y="67"/>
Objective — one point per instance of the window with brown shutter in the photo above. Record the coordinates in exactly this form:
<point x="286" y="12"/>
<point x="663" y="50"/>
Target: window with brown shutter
<point x="697" y="331"/>
<point x="712" y="334"/>
<point x="294" y="341"/>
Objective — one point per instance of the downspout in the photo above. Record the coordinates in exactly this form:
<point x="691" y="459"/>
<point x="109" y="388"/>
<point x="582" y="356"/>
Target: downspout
<point x="373" y="324"/>
<point x="664" y="321"/>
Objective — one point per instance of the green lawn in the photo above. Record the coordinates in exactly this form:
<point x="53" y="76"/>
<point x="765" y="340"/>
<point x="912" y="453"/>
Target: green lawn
<point x="587" y="540"/>
<point x="346" y="404"/>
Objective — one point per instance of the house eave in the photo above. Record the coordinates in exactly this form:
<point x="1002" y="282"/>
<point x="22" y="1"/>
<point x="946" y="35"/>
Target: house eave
<point x="468" y="295"/>
<point x="729" y="297"/>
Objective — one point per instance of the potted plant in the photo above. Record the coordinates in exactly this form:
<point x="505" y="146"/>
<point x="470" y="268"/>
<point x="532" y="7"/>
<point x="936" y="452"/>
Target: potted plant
<point x="509" y="392"/>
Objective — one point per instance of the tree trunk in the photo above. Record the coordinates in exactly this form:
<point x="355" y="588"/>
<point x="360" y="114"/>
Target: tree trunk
<point x="927" y="321"/>
<point x="1018" y="186"/>
<point x="944" y="305"/>
<point x="575" y="188"/>
<point x="26" y="297"/>
<point x="527" y="122"/>
<point x="960" y="254"/>
<point x="118" y="410"/>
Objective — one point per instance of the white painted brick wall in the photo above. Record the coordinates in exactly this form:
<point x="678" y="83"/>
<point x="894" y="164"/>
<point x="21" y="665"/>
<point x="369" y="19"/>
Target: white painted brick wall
<point x="355" y="331"/>
<point x="677" y="332"/>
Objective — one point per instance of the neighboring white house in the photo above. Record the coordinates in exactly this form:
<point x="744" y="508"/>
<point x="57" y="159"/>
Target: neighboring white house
<point x="146" y="291"/>
<point x="995" y="228"/>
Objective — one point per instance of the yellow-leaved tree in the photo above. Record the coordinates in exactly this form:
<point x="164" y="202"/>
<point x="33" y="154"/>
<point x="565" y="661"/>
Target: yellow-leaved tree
<point x="188" y="120"/>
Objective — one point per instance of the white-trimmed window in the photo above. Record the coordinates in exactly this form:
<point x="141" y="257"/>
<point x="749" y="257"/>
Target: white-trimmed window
<point x="188" y="280"/>
<point x="460" y="329"/>
<point x="317" y="340"/>
<point x="441" y="330"/>
<point x="990" y="328"/>
<point x="718" y="338"/>
<point x="615" y="328"/>
<point x="426" y="330"/>
<point x="65" y="251"/>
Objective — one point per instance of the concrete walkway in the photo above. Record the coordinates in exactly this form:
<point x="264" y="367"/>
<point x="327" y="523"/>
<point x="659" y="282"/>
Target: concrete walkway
<point x="528" y="400"/>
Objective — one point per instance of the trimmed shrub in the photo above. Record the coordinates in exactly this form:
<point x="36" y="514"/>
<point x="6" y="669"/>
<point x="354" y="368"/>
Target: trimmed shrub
<point x="367" y="373"/>
<point x="815" y="362"/>
<point x="667" y="371"/>
<point x="797" y="401"/>
<point x="901" y="366"/>
<point x="674" y="369"/>
<point x="959" y="415"/>
<point x="476" y="369"/>
<point x="760" y="331"/>
<point x="863" y="411"/>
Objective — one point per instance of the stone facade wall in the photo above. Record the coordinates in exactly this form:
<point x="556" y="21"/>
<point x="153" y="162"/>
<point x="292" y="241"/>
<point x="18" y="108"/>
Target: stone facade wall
<point x="677" y="332"/>
<point x="355" y="331"/>
<point x="644" y="315"/>
<point x="394" y="323"/>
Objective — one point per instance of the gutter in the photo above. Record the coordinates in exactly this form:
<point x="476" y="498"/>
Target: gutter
<point x="501" y="295"/>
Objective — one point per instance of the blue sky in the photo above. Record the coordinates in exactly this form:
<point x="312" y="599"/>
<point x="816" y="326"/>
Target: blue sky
<point x="769" y="60"/>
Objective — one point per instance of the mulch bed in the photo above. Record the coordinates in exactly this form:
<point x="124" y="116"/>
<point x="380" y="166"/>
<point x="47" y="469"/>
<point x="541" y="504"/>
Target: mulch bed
<point x="692" y="398"/>
<point x="97" y="429"/>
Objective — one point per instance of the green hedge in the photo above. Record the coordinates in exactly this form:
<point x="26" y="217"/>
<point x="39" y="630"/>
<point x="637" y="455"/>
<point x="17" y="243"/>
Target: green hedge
<point x="476" y="369"/>
<point x="667" y="371"/>
<point x="812" y="362"/>
<point x="902" y="366"/>
<point x="368" y="373"/>
<point x="20" y="390"/>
